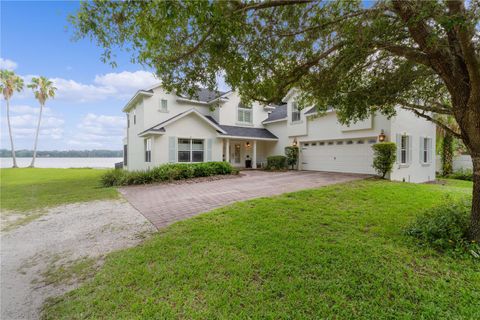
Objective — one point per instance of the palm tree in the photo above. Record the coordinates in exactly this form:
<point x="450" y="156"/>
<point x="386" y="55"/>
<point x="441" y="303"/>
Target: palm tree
<point x="9" y="83"/>
<point x="43" y="90"/>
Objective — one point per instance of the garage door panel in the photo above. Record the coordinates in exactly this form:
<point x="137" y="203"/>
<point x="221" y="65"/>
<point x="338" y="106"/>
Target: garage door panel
<point x="354" y="158"/>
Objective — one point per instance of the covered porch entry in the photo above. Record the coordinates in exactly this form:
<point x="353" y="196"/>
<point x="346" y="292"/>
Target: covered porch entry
<point x="246" y="153"/>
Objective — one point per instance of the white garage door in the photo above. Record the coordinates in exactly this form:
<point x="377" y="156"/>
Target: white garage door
<point x="353" y="156"/>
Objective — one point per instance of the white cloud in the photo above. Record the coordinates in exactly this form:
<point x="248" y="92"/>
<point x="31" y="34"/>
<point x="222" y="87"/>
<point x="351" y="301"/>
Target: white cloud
<point x="78" y="92"/>
<point x="127" y="81"/>
<point x="99" y="131"/>
<point x="24" y="121"/>
<point x="120" y="85"/>
<point x="26" y="109"/>
<point x="8" y="64"/>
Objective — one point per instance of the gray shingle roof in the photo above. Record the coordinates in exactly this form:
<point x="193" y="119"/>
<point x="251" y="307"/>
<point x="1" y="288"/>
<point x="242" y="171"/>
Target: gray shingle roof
<point x="311" y="111"/>
<point x="203" y="95"/>
<point x="248" y="132"/>
<point x="158" y="127"/>
<point x="279" y="113"/>
<point x="244" y="131"/>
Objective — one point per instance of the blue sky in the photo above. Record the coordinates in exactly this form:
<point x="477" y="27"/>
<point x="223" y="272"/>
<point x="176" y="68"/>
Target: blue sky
<point x="36" y="39"/>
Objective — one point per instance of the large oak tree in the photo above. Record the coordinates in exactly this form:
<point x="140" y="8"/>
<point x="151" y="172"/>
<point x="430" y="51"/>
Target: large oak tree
<point x="354" y="56"/>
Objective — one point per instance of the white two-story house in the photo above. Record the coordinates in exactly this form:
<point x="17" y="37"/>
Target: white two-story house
<point x="215" y="126"/>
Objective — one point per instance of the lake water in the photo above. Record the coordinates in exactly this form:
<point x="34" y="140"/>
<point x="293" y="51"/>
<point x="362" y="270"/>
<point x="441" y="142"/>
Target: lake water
<point x="63" y="162"/>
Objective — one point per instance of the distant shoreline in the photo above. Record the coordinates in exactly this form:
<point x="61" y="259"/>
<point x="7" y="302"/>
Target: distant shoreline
<point x="63" y="162"/>
<point x="94" y="153"/>
<point x="7" y="157"/>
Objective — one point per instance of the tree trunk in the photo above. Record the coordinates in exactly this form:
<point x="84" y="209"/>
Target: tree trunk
<point x="11" y="137"/>
<point x="475" y="217"/>
<point x="447" y="154"/>
<point x="32" y="165"/>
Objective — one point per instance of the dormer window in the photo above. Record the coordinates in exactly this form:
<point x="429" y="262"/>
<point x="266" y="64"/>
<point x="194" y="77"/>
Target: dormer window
<point x="163" y="105"/>
<point x="244" y="114"/>
<point x="295" y="112"/>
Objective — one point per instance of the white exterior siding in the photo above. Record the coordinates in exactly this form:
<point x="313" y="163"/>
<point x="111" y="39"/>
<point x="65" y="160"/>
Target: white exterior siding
<point x="279" y="129"/>
<point x="406" y="123"/>
<point x="135" y="143"/>
<point x="227" y="112"/>
<point x="188" y="127"/>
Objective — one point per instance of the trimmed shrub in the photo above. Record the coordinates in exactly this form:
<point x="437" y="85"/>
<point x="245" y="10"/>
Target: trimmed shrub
<point x="292" y="156"/>
<point x="166" y="172"/>
<point x="445" y="228"/>
<point x="384" y="155"/>
<point x="113" y="177"/>
<point x="276" y="163"/>
<point x="462" y="174"/>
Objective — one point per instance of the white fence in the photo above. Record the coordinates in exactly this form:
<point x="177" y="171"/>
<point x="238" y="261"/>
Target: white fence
<point x="460" y="162"/>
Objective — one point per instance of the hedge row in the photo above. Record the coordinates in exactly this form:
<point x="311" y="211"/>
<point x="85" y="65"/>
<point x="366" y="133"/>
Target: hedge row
<point x="276" y="163"/>
<point x="462" y="174"/>
<point x="166" y="172"/>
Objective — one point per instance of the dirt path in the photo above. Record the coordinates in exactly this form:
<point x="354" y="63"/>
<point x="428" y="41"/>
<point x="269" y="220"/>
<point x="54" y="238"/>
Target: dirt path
<point x="48" y="256"/>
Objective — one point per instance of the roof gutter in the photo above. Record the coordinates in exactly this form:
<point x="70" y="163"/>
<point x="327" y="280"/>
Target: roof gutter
<point x="246" y="138"/>
<point x="273" y="121"/>
<point x="137" y="94"/>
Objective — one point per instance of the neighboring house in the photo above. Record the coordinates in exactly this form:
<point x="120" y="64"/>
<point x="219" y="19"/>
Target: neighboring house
<point x="215" y="126"/>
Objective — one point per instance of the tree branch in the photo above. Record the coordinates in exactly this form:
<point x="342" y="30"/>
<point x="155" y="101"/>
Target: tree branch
<point x="424" y="115"/>
<point x="345" y="17"/>
<point x="269" y="4"/>
<point x="439" y="110"/>
<point x="411" y="54"/>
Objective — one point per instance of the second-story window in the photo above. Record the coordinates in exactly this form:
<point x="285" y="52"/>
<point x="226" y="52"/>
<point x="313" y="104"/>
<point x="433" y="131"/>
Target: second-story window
<point x="295" y="112"/>
<point x="128" y="120"/>
<point x="163" y="105"/>
<point x="244" y="114"/>
<point x="134" y="117"/>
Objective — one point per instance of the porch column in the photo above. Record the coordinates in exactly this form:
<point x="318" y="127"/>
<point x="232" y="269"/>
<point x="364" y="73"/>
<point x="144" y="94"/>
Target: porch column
<point x="254" y="155"/>
<point x="227" y="150"/>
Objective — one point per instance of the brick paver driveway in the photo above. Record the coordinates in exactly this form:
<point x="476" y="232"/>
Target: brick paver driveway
<point x="163" y="204"/>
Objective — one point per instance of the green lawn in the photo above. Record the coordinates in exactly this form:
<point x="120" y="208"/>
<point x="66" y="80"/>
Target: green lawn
<point x="332" y="253"/>
<point x="26" y="189"/>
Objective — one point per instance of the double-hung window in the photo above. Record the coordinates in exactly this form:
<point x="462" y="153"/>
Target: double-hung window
<point x="125" y="155"/>
<point x="148" y="150"/>
<point x="425" y="150"/>
<point x="163" y="105"/>
<point x="244" y="114"/>
<point x="295" y="112"/>
<point x="404" y="149"/>
<point x="190" y="150"/>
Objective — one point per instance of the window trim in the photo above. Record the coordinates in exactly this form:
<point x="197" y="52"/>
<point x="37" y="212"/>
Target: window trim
<point x="191" y="150"/>
<point x="242" y="109"/>
<point x="403" y="150"/>
<point x="148" y="150"/>
<point x="161" y="105"/>
<point x="426" y="151"/>
<point x="295" y="113"/>
<point x="125" y="154"/>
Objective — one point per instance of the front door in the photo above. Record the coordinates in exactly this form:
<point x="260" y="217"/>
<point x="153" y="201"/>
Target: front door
<point x="236" y="154"/>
